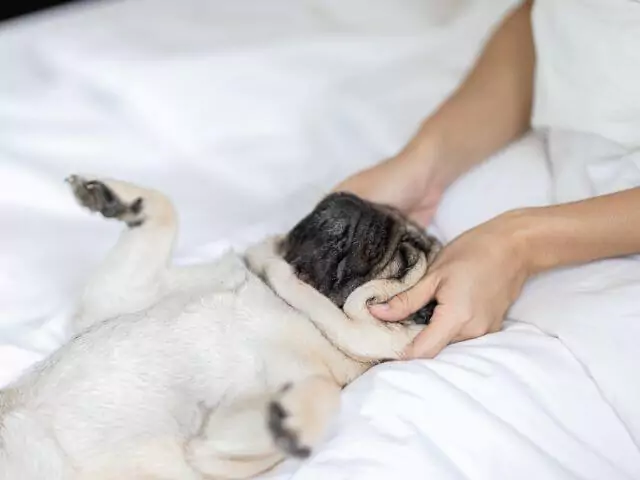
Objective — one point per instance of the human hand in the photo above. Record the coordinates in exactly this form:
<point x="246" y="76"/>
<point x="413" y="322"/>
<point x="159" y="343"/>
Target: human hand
<point x="405" y="182"/>
<point x="475" y="279"/>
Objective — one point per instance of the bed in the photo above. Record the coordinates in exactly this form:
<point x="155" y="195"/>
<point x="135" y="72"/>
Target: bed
<point x="245" y="113"/>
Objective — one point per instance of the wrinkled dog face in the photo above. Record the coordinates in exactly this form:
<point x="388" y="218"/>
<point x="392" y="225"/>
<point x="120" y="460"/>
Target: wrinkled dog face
<point x="346" y="241"/>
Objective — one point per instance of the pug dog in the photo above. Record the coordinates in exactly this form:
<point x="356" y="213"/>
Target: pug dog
<point x="216" y="371"/>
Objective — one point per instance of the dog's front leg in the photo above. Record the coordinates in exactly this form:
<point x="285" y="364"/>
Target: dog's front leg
<point x="354" y="331"/>
<point x="131" y="276"/>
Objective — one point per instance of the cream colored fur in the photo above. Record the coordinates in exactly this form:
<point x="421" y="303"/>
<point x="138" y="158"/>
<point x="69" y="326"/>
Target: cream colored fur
<point x="176" y="372"/>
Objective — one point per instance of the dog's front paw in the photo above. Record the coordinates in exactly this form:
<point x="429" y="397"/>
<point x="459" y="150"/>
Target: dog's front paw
<point x="99" y="197"/>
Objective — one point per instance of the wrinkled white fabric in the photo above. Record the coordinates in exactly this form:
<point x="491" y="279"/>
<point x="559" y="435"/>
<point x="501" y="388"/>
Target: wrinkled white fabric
<point x="588" y="68"/>
<point x="592" y="309"/>
<point x="587" y="95"/>
<point x="245" y="112"/>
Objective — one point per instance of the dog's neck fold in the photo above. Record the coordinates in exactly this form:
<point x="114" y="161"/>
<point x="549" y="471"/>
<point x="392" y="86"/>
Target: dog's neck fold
<point x="353" y="330"/>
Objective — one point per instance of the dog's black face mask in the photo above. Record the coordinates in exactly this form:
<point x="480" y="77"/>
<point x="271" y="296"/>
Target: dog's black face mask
<point x="346" y="241"/>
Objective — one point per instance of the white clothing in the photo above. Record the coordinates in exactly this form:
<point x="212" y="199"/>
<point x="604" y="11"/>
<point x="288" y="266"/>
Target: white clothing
<point x="587" y="94"/>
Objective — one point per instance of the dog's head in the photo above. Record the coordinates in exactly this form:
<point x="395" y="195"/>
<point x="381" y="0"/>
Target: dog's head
<point x="346" y="242"/>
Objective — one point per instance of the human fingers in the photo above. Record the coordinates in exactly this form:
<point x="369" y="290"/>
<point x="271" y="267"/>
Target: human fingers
<point x="398" y="308"/>
<point x="436" y="336"/>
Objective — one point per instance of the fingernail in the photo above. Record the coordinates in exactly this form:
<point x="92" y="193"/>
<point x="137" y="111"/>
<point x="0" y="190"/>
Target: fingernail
<point x="381" y="306"/>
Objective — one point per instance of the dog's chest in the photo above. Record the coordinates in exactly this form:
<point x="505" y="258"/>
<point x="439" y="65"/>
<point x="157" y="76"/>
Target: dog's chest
<point x="237" y="322"/>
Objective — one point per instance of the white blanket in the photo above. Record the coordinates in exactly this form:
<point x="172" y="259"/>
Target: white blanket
<point x="245" y="112"/>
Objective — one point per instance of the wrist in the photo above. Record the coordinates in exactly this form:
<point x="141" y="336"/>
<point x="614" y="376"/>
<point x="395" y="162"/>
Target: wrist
<point x="531" y="231"/>
<point x="425" y="158"/>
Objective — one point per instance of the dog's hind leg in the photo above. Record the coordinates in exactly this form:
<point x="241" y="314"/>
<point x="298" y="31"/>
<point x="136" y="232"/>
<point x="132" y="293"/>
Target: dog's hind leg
<point x="147" y="459"/>
<point x="132" y="275"/>
<point x="299" y="415"/>
<point x="220" y="466"/>
<point x="235" y="442"/>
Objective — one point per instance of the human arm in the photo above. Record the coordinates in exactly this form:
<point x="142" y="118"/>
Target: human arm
<point x="489" y="109"/>
<point x="480" y="274"/>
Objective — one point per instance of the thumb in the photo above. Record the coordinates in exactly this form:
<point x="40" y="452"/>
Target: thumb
<point x="404" y="304"/>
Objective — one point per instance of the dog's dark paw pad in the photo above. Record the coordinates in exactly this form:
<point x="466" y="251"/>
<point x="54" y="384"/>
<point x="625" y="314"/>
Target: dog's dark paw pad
<point x="98" y="197"/>
<point x="285" y="437"/>
<point x="423" y="316"/>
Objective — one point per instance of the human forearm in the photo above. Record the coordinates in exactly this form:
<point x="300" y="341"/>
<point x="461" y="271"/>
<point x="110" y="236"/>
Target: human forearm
<point x="491" y="108"/>
<point x="579" y="232"/>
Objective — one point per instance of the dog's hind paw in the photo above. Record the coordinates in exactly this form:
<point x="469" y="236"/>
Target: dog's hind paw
<point x="99" y="196"/>
<point x="299" y="414"/>
<point x="285" y="435"/>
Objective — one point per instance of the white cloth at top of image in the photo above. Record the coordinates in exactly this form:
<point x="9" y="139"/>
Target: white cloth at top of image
<point x="586" y="94"/>
<point x="588" y="67"/>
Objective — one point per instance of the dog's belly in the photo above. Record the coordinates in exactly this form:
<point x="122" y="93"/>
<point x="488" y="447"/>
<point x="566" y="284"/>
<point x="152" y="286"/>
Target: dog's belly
<point x="154" y="375"/>
<point x="136" y="377"/>
<point x="148" y="380"/>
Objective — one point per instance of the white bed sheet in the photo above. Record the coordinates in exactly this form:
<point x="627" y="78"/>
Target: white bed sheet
<point x="245" y="112"/>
